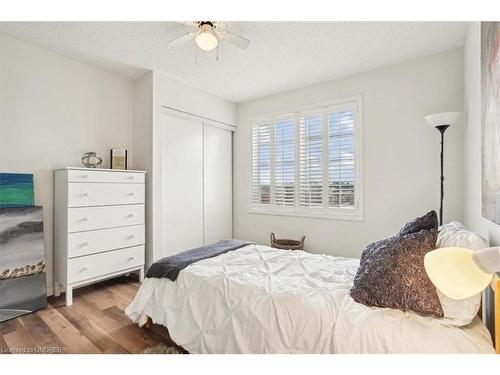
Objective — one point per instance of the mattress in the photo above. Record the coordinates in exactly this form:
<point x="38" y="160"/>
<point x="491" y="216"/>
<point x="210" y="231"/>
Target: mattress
<point x="263" y="300"/>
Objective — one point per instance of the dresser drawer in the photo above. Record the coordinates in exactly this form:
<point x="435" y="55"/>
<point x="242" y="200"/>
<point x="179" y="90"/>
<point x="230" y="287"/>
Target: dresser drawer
<point x="76" y="175"/>
<point x="104" y="194"/>
<point x="90" y="266"/>
<point x="91" y="218"/>
<point x="96" y="241"/>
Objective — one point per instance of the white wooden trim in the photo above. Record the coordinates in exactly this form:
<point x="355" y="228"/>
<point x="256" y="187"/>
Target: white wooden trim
<point x="193" y="117"/>
<point x="358" y="133"/>
<point x="325" y="156"/>
<point x="311" y="213"/>
<point x="272" y="128"/>
<point x="297" y="162"/>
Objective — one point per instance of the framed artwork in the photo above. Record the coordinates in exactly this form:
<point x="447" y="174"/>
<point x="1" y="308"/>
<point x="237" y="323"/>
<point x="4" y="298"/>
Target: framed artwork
<point x="490" y="123"/>
<point x="118" y="159"/>
<point x="16" y="190"/>
<point x="23" y="287"/>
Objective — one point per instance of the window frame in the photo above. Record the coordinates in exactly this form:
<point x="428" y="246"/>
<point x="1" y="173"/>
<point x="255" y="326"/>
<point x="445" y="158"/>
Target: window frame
<point x="336" y="213"/>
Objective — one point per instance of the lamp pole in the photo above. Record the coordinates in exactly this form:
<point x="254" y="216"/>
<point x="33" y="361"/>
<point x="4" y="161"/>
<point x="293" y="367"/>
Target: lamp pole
<point x="442" y="129"/>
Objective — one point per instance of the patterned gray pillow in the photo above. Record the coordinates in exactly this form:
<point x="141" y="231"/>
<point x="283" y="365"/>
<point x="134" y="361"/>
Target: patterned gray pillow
<point x="391" y="274"/>
<point x="427" y="222"/>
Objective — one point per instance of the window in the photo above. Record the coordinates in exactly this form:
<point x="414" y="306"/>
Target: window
<point x="306" y="163"/>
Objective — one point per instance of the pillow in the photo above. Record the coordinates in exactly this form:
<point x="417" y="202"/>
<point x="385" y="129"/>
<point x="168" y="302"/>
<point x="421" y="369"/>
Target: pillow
<point x="459" y="312"/>
<point x="455" y="234"/>
<point x="427" y="222"/>
<point x="391" y="274"/>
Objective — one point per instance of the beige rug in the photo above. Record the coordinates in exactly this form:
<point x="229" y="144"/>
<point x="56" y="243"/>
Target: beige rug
<point x="164" y="349"/>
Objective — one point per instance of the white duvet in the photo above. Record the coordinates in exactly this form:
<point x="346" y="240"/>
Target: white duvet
<point x="263" y="300"/>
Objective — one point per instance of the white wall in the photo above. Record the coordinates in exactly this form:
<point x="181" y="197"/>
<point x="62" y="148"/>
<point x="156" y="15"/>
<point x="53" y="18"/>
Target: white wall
<point x="52" y="110"/>
<point x="143" y="144"/>
<point x="177" y="95"/>
<point x="401" y="154"/>
<point x="472" y="139"/>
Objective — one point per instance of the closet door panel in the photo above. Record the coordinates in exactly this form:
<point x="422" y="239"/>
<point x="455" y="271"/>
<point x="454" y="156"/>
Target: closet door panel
<point x="182" y="185"/>
<point x="218" y="186"/>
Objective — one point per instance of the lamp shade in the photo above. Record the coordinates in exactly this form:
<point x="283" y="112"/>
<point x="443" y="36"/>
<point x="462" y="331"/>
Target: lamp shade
<point x="206" y="40"/>
<point x="444" y="118"/>
<point x="455" y="272"/>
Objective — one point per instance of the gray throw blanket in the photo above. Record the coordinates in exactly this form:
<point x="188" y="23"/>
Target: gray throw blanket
<point x="170" y="267"/>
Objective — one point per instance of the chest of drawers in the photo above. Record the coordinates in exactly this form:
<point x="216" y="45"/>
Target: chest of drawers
<point x="99" y="229"/>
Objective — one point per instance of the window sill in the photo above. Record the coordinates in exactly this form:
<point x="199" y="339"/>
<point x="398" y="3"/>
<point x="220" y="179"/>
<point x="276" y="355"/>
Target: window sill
<point x="352" y="216"/>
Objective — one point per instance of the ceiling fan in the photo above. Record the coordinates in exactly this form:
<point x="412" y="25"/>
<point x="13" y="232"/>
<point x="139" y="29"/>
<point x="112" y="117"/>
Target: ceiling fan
<point x="208" y="34"/>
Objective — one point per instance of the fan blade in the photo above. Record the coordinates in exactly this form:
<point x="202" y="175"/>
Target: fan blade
<point x="182" y="39"/>
<point x="222" y="26"/>
<point x="235" y="39"/>
<point x="189" y="23"/>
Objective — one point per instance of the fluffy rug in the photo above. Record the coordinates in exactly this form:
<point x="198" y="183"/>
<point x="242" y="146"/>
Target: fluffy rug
<point x="164" y="349"/>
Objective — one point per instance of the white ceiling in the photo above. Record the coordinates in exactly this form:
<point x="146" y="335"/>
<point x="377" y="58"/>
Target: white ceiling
<point x="281" y="55"/>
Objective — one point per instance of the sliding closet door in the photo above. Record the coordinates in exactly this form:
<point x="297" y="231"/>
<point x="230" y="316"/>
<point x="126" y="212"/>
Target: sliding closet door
<point x="218" y="184"/>
<point x="182" y="184"/>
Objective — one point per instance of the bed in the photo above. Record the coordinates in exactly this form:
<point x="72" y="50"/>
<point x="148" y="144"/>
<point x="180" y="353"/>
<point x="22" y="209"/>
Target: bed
<point x="259" y="299"/>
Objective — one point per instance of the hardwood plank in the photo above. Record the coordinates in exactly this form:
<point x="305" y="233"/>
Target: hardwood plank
<point x="90" y="309"/>
<point x="118" y="315"/>
<point x="132" y="340"/>
<point x="98" y="336"/>
<point x="7" y="326"/>
<point x="67" y="333"/>
<point x="105" y="298"/>
<point x="41" y="333"/>
<point x="127" y="291"/>
<point x="4" y="348"/>
<point x="19" y="340"/>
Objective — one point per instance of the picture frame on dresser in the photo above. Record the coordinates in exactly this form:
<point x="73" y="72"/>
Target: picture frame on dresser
<point x="99" y="228"/>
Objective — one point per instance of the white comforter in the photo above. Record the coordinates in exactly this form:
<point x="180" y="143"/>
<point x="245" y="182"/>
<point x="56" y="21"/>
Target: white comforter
<point x="263" y="300"/>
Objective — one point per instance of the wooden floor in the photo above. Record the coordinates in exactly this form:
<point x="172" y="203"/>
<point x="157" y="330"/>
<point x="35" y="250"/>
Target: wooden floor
<point x="95" y="323"/>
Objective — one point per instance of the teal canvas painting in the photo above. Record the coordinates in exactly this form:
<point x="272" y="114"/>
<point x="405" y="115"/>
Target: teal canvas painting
<point x="16" y="190"/>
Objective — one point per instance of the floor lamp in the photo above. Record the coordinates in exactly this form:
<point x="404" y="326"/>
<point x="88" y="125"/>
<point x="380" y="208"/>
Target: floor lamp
<point x="442" y="121"/>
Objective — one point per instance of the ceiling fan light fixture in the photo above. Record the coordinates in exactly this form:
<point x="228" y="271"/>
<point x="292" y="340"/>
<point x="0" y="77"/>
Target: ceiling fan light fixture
<point x="206" y="40"/>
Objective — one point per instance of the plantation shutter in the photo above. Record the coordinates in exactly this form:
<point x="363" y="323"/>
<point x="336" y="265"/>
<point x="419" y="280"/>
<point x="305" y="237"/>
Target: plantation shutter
<point x="284" y="162"/>
<point x="310" y="160"/>
<point x="341" y="159"/>
<point x="261" y="164"/>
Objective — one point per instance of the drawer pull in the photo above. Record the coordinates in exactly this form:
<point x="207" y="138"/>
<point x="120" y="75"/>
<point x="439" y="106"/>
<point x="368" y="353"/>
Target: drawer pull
<point x="86" y="268"/>
<point x="85" y="195"/>
<point x="84" y="176"/>
<point x="86" y="243"/>
<point x="131" y="237"/>
<point x="84" y="219"/>
<point x="130" y="215"/>
<point x="131" y="258"/>
<point x="131" y="194"/>
<point x="130" y="177"/>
